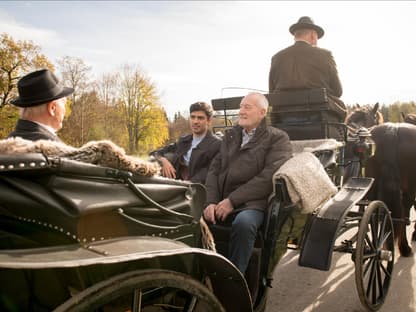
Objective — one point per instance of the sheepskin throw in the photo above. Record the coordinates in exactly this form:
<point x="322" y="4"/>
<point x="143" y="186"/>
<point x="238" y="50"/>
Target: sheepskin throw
<point x="103" y="153"/>
<point x="308" y="185"/>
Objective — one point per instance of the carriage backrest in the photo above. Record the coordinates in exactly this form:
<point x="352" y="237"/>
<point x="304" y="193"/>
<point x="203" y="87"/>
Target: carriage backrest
<point x="306" y="114"/>
<point x="303" y="114"/>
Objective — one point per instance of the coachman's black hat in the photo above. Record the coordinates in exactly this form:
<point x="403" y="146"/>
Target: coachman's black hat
<point x="305" y="22"/>
<point x="39" y="87"/>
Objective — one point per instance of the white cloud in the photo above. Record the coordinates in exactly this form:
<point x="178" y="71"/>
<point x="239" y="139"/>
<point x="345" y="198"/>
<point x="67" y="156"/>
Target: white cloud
<point x="22" y="31"/>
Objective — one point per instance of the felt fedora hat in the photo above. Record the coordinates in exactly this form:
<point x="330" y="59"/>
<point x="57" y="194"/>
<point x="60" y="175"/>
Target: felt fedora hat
<point x="305" y="22"/>
<point x="39" y="87"/>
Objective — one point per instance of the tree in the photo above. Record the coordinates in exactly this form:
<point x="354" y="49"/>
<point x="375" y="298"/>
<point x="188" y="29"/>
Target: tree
<point x="8" y="116"/>
<point x="178" y="127"/>
<point x="139" y="103"/>
<point x="75" y="75"/>
<point x="106" y="90"/>
<point x="16" y="59"/>
<point x="90" y="109"/>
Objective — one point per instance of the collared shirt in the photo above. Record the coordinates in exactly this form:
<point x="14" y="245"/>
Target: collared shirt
<point x="247" y="136"/>
<point x="195" y="142"/>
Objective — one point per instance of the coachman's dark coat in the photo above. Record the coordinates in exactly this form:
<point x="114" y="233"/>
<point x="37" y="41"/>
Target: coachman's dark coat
<point x="302" y="66"/>
<point x="33" y="131"/>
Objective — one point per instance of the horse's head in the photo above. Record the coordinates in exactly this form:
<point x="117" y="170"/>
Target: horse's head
<point x="409" y="118"/>
<point x="366" y="116"/>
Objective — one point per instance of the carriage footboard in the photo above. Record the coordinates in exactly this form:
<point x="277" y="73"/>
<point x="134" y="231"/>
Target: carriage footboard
<point x="320" y="233"/>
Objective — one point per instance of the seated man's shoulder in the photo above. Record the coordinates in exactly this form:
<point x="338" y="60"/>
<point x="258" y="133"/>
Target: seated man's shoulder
<point x="278" y="132"/>
<point x="185" y="137"/>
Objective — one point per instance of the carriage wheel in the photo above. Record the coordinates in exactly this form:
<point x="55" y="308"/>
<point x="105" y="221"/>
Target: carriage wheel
<point x="374" y="256"/>
<point x="145" y="291"/>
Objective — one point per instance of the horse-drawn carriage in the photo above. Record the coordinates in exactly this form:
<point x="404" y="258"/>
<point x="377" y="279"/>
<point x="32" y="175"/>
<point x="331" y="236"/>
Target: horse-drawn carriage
<point x="79" y="237"/>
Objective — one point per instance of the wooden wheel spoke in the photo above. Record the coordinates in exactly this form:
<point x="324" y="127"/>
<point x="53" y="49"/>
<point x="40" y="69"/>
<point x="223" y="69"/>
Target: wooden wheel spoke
<point x="385" y="271"/>
<point x="370" y="281"/>
<point x="367" y="266"/>
<point x="382" y="230"/>
<point x="137" y="300"/>
<point x="382" y="241"/>
<point x="369" y="242"/>
<point x="374" y="227"/>
<point x="380" y="280"/>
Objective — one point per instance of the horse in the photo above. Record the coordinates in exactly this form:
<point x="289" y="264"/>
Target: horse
<point x="364" y="116"/>
<point x="392" y="166"/>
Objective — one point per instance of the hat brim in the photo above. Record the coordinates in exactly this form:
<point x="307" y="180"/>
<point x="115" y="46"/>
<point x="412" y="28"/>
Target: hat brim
<point x="298" y="26"/>
<point x="22" y="103"/>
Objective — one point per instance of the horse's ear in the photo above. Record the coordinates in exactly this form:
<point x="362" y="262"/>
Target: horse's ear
<point x="375" y="108"/>
<point x="357" y="105"/>
<point x="403" y="115"/>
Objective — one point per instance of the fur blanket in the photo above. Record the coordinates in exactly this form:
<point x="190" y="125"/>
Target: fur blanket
<point x="103" y="153"/>
<point x="308" y="185"/>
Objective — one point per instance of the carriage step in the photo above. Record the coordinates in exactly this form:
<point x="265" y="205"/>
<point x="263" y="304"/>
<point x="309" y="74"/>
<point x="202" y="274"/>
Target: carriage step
<point x="321" y="232"/>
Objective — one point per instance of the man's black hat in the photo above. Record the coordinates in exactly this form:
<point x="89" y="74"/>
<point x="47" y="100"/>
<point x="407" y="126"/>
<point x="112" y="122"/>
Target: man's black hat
<point x="305" y="22"/>
<point x="39" y="87"/>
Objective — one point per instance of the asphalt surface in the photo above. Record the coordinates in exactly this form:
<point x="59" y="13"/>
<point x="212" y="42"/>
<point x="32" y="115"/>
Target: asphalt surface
<point x="298" y="289"/>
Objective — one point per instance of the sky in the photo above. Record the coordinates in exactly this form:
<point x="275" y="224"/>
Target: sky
<point x="202" y="50"/>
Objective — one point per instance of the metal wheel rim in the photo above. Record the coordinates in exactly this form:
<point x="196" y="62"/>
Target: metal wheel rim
<point x="374" y="255"/>
<point x="115" y="287"/>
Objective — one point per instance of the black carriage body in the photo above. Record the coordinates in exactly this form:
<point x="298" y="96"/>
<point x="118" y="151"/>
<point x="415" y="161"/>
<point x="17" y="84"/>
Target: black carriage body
<point x="67" y="226"/>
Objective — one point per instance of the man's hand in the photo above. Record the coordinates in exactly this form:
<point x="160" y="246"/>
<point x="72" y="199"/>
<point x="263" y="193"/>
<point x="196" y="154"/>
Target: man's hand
<point x="223" y="209"/>
<point x="168" y="170"/>
<point x="209" y="213"/>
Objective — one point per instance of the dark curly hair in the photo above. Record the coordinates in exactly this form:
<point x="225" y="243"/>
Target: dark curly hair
<point x="201" y="106"/>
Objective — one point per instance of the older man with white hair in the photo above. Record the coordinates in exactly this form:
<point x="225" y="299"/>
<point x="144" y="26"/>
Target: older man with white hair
<point x="240" y="177"/>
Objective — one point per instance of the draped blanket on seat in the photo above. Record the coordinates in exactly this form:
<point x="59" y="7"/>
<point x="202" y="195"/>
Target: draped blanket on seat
<point x="307" y="182"/>
<point x="103" y="153"/>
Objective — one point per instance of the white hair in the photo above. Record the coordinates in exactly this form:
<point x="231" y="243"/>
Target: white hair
<point x="262" y="100"/>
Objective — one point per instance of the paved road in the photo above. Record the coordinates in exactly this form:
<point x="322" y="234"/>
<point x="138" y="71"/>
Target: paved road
<point x="298" y="289"/>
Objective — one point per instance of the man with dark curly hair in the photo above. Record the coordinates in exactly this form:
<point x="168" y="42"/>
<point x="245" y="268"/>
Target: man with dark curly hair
<point x="190" y="157"/>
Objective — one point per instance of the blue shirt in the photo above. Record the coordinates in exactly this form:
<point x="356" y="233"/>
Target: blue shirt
<point x="195" y="142"/>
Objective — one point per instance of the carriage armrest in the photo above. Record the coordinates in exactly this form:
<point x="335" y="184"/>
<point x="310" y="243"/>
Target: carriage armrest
<point x="23" y="162"/>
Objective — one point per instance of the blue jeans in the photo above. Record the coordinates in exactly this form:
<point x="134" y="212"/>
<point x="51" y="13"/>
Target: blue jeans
<point x="243" y="236"/>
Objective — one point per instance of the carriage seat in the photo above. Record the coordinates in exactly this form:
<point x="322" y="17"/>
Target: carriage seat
<point x="89" y="201"/>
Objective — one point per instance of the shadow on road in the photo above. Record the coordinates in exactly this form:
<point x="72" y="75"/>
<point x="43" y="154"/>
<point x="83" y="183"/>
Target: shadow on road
<point x="298" y="289"/>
